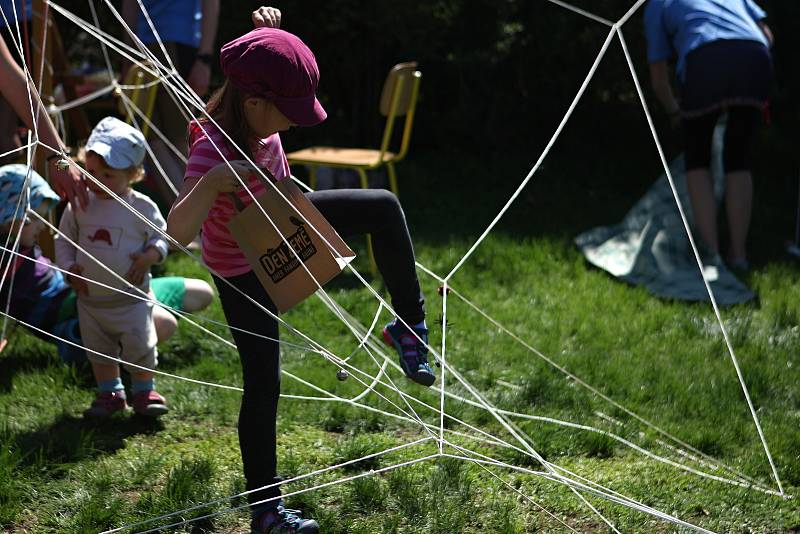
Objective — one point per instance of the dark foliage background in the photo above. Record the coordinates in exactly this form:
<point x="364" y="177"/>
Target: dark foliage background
<point x="497" y="74"/>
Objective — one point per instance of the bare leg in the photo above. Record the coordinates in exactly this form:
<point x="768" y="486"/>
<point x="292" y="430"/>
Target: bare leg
<point x="103" y="372"/>
<point x="144" y="376"/>
<point x="704" y="207"/>
<point x="198" y="294"/>
<point x="739" y="205"/>
<point x="165" y="323"/>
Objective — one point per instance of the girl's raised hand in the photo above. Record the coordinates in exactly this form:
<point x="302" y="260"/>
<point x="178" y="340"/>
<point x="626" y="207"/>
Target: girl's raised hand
<point x="266" y="17"/>
<point x="221" y="179"/>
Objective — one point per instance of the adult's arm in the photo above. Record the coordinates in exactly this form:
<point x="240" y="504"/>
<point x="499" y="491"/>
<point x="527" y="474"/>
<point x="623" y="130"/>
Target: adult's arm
<point x="200" y="76"/>
<point x="130" y="14"/>
<point x="15" y="89"/>
<point x="767" y="32"/>
<point x="659" y="77"/>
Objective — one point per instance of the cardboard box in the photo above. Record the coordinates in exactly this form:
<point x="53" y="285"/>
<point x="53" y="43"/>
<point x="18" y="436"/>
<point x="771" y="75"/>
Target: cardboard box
<point x="305" y="239"/>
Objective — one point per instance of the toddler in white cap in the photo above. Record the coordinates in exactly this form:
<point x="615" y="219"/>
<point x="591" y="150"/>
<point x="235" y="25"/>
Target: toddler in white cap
<point x="109" y="241"/>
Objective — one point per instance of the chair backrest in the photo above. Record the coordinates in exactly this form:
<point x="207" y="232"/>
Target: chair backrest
<point x="142" y="94"/>
<point x="398" y="99"/>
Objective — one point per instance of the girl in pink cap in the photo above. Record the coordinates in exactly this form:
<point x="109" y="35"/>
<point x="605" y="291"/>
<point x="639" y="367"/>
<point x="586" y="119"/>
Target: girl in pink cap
<point x="271" y="86"/>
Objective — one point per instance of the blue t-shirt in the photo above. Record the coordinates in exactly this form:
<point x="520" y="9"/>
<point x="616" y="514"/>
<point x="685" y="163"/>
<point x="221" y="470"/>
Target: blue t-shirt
<point x="8" y="10"/>
<point x="680" y="26"/>
<point x="174" y="20"/>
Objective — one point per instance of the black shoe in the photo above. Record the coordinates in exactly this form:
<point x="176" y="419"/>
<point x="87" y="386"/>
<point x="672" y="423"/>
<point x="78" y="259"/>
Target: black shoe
<point x="281" y="520"/>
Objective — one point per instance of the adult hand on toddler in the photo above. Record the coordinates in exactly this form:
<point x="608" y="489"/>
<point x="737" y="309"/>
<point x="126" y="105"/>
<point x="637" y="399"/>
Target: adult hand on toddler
<point x="78" y="284"/>
<point x="223" y="180"/>
<point x="142" y="261"/>
<point x="267" y="17"/>
<point x="69" y="184"/>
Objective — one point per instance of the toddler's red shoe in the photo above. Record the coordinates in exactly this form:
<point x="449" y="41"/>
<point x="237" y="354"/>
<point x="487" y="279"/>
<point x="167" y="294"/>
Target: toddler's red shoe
<point x="150" y="404"/>
<point x="107" y="403"/>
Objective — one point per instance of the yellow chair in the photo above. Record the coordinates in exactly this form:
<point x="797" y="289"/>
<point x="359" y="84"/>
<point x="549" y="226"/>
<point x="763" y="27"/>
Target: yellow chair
<point x="398" y="99"/>
<point x="142" y="94"/>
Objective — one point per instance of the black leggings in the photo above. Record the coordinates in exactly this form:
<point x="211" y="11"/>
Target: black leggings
<point x="739" y="132"/>
<point x="350" y="212"/>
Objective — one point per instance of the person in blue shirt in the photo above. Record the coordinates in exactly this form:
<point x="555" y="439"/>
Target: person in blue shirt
<point x="722" y="64"/>
<point x="187" y="29"/>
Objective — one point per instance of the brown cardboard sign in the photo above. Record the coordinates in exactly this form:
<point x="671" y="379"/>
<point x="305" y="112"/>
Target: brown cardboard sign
<point x="278" y="258"/>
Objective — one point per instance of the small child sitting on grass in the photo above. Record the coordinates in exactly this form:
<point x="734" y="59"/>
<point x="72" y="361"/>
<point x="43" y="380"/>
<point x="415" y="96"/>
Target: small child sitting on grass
<point x="108" y="235"/>
<point x="34" y="292"/>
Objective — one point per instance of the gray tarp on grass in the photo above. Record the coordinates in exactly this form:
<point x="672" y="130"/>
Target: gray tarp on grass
<point x="650" y="248"/>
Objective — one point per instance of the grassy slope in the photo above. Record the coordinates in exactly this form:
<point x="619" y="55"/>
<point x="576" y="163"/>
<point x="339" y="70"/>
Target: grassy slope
<point x="664" y="360"/>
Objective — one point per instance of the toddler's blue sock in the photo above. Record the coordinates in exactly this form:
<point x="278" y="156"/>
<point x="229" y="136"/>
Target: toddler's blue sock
<point x="115" y="384"/>
<point x="144" y="385"/>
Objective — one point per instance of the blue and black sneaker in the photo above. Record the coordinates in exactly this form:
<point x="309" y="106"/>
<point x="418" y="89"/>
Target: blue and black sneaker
<point x="281" y="520"/>
<point x="413" y="353"/>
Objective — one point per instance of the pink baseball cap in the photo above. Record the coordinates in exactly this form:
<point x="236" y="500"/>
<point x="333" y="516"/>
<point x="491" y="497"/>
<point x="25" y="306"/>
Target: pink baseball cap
<point x="278" y="66"/>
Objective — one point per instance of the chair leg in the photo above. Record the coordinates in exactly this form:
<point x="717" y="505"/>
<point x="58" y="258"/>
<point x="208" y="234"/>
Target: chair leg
<point x="392" y="178"/>
<point x="373" y="267"/>
<point x="362" y="174"/>
<point x="312" y="177"/>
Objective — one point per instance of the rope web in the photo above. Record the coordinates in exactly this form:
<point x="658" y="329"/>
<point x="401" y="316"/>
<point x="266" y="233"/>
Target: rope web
<point x="376" y="377"/>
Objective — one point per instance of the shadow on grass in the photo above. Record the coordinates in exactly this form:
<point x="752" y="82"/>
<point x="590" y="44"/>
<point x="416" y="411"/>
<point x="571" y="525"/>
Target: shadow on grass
<point x="71" y="439"/>
<point x="14" y="364"/>
<point x="25" y="359"/>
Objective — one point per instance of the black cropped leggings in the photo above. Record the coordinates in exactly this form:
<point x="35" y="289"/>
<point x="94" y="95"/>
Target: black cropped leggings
<point x="743" y="122"/>
<point x="350" y="212"/>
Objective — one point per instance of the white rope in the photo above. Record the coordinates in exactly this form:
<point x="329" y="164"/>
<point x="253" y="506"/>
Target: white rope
<point x="527" y="498"/>
<point x="24" y="196"/>
<point x="288" y="481"/>
<point x="146" y="297"/>
<point x="592" y="487"/>
<point x="367" y="333"/>
<point x="582" y="12"/>
<point x="628" y="503"/>
<point x="181" y="313"/>
<point x="392" y="386"/>
<point x="442" y="383"/>
<point x="260" y="208"/>
<point x="371" y="472"/>
<point x="722" y="328"/>
<point x="80" y="101"/>
<point x="588" y="386"/>
<point x="179" y="93"/>
<point x="129" y="104"/>
<point x="744" y="482"/>
<point x="546" y="151"/>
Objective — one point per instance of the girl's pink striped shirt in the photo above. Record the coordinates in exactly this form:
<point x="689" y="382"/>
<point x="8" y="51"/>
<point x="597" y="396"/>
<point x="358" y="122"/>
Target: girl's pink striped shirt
<point x="208" y="149"/>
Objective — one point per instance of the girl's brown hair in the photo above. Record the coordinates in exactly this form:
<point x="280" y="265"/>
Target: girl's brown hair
<point x="226" y="107"/>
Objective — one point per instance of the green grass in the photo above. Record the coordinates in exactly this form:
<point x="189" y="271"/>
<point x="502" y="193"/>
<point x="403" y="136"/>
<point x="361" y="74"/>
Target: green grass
<point x="663" y="360"/>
